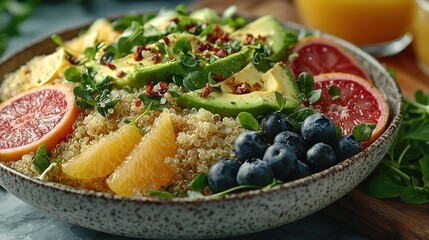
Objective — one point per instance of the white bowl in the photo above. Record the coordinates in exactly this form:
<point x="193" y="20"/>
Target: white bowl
<point x="234" y="214"/>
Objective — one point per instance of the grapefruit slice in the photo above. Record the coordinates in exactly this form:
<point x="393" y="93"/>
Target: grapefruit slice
<point x="145" y="168"/>
<point x="359" y="102"/>
<point x="41" y="115"/>
<point x="101" y="159"/>
<point x="317" y="55"/>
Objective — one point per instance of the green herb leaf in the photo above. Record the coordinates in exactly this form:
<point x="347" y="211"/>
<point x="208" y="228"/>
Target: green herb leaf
<point x="424" y="166"/>
<point x="247" y="121"/>
<point x="415" y="195"/>
<point x="83" y="98"/>
<point x="104" y="102"/>
<point x="57" y="39"/>
<point x="155" y="102"/>
<point x="41" y="160"/>
<point x="334" y="91"/>
<point x="338" y="131"/>
<point x="73" y="74"/>
<point x="199" y="182"/>
<point x="182" y="45"/>
<point x="314" y="96"/>
<point x="363" y="132"/>
<point x="281" y="101"/>
<point x="194" y="80"/>
<point x="386" y="185"/>
<point x="188" y="60"/>
<point x="163" y="194"/>
<point x="207" y="30"/>
<point x="305" y="83"/>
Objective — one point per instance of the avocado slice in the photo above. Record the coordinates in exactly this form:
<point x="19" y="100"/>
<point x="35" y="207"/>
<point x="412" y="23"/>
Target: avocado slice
<point x="260" y="102"/>
<point x="272" y="29"/>
<point x="139" y="73"/>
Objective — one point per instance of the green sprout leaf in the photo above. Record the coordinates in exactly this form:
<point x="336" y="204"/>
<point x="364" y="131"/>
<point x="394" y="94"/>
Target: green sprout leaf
<point x="163" y="194"/>
<point x="362" y="132"/>
<point x="194" y="80"/>
<point x="334" y="91"/>
<point x="41" y="160"/>
<point x="247" y="121"/>
<point x="73" y="74"/>
<point x="199" y="182"/>
<point x="182" y="45"/>
<point x="281" y="101"/>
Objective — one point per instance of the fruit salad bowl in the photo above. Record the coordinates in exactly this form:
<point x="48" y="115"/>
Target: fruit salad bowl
<point x="206" y="217"/>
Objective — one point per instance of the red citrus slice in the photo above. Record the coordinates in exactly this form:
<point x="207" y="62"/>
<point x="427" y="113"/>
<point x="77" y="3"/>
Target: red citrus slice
<point x="41" y="115"/>
<point x="317" y="55"/>
<point x="359" y="102"/>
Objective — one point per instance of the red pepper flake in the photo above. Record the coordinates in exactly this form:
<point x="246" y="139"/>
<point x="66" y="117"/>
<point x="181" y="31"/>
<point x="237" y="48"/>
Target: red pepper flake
<point x="138" y="103"/>
<point x="250" y="39"/>
<point x="217" y="36"/>
<point x="206" y="91"/>
<point x="27" y="71"/>
<point x="175" y="20"/>
<point x="155" y="56"/>
<point x="120" y="74"/>
<point x="111" y="66"/>
<point x="163" y="87"/>
<point x="166" y="40"/>
<point x="220" y="77"/>
<point x="71" y="59"/>
<point x="222" y="53"/>
<point x="241" y="88"/>
<point x="257" y="87"/>
<point x="156" y="90"/>
<point x="138" y="53"/>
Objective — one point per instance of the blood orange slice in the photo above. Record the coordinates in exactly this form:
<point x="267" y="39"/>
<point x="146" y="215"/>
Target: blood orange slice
<point x="41" y="115"/>
<point x="317" y="55"/>
<point x="359" y="102"/>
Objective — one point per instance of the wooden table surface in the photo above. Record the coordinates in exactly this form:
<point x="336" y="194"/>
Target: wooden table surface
<point x="380" y="219"/>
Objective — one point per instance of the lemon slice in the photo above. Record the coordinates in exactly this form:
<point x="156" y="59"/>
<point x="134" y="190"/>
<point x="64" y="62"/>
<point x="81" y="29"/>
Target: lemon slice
<point x="36" y="72"/>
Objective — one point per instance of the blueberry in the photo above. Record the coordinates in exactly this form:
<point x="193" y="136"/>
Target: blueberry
<point x="273" y="124"/>
<point x="254" y="171"/>
<point x="346" y="147"/>
<point x="282" y="160"/>
<point x="320" y="157"/>
<point x="293" y="140"/>
<point x="302" y="170"/>
<point x="249" y="144"/>
<point x="223" y="175"/>
<point x="318" y="128"/>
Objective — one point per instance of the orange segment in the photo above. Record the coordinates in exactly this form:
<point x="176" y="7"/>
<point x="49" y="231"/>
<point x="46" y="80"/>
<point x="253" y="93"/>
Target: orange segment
<point x="42" y="115"/>
<point x="101" y="159"/>
<point x="145" y="168"/>
<point x="359" y="102"/>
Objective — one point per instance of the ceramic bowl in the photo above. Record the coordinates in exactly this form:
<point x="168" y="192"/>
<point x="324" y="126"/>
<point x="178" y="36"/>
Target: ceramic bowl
<point x="231" y="215"/>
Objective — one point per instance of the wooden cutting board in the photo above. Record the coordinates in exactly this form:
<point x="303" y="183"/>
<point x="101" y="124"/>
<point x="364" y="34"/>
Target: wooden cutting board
<point x="379" y="219"/>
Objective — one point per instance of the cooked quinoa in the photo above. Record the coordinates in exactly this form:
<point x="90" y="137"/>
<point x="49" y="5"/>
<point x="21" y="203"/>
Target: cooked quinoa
<point x="202" y="139"/>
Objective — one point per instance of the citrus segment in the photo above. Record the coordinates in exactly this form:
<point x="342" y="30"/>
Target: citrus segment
<point x="317" y="55"/>
<point x="41" y="115"/>
<point x="36" y="72"/>
<point x="145" y="168"/>
<point x="359" y="102"/>
<point x="101" y="159"/>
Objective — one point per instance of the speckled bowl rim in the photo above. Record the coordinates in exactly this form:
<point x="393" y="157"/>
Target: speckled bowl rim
<point x="395" y="118"/>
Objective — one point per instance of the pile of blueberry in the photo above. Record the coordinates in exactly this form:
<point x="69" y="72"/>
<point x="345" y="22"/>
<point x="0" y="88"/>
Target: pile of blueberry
<point x="278" y="152"/>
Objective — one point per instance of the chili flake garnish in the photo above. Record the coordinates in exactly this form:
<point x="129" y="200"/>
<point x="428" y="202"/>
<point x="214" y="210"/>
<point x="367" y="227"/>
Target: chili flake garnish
<point x="156" y="90"/>
<point x="206" y="91"/>
<point x="241" y="88"/>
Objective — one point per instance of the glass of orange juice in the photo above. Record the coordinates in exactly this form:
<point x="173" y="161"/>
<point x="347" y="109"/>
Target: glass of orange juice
<point x="420" y="28"/>
<point x="379" y="26"/>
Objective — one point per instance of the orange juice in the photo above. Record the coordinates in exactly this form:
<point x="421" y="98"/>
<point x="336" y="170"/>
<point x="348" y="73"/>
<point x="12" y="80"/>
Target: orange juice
<point x="421" y="34"/>
<point x="362" y="22"/>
